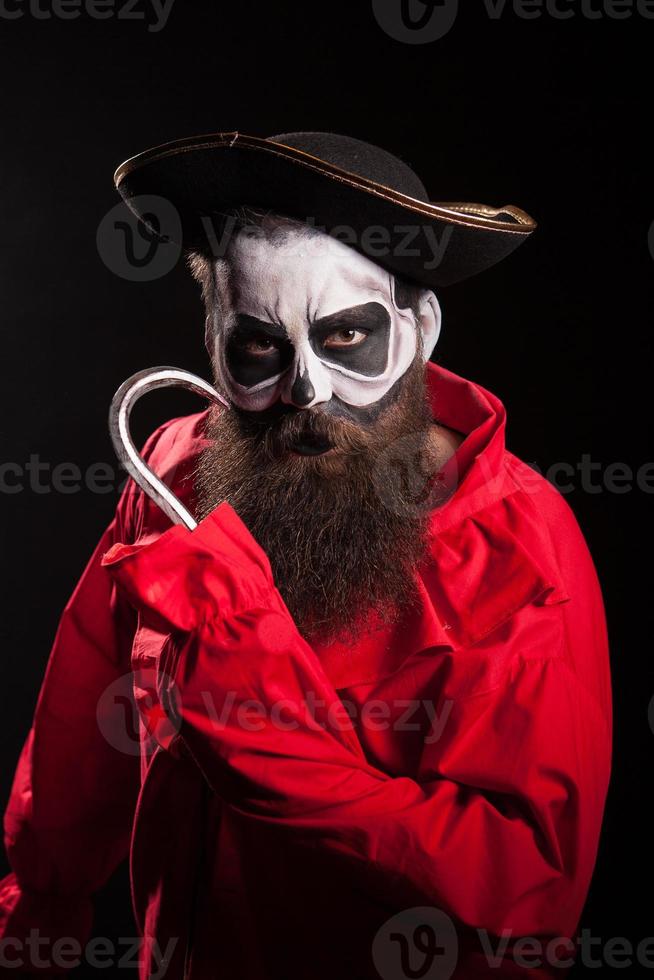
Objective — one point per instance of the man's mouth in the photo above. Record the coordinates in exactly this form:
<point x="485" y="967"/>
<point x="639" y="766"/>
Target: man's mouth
<point x="311" y="445"/>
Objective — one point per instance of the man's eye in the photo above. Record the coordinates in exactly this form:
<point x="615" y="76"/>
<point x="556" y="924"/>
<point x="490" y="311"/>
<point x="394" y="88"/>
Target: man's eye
<point x="257" y="345"/>
<point x="345" y="338"/>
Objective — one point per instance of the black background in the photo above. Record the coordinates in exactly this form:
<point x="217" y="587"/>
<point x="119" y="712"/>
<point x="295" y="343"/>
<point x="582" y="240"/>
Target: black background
<point x="551" y="115"/>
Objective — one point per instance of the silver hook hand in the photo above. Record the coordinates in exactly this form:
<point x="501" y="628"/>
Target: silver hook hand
<point x="128" y="455"/>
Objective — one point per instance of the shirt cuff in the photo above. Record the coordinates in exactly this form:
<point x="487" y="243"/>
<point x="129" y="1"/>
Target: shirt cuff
<point x="187" y="577"/>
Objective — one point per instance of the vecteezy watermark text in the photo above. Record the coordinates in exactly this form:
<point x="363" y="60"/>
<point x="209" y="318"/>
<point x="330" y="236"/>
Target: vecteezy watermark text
<point x="288" y="715"/>
<point x="38" y="952"/>
<point x="426" y="21"/>
<point x="154" y="12"/>
<point x="41" y="477"/>
<point x="375" y="241"/>
<point x="566" y="9"/>
<point x="423" y="942"/>
<point x="131" y="707"/>
<point x="148" y="249"/>
<point x="586" y="475"/>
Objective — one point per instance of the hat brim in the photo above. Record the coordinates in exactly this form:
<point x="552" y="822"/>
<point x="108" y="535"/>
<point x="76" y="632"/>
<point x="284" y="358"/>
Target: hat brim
<point x="434" y="244"/>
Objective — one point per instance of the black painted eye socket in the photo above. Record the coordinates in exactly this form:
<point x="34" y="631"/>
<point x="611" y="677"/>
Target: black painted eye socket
<point x="253" y="354"/>
<point x="357" y="338"/>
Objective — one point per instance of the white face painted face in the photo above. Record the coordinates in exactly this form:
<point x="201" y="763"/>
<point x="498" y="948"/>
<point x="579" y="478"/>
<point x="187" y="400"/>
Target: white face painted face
<point x="312" y="319"/>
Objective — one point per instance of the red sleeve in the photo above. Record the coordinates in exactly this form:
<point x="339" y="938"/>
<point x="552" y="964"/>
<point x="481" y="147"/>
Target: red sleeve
<point x="68" y="820"/>
<point x="501" y="829"/>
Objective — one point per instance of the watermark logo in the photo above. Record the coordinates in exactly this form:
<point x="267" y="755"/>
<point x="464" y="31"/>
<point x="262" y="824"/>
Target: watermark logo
<point x="416" y="21"/>
<point x="426" y="21"/>
<point x="422" y="943"/>
<point x="144" y="700"/>
<point x="417" y="944"/>
<point x="147" y="248"/>
<point x="141" y="251"/>
<point x="408" y="480"/>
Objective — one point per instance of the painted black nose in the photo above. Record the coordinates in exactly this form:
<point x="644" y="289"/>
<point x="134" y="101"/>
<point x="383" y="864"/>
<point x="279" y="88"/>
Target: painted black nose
<point x="302" y="391"/>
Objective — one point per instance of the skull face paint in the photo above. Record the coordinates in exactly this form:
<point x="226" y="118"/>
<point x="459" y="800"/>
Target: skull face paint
<point x="310" y="321"/>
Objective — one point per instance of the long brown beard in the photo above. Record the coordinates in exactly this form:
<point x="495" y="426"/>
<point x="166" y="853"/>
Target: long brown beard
<point x="343" y="533"/>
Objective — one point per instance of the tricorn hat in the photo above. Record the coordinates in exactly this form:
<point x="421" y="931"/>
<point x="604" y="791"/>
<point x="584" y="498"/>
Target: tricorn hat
<point x="358" y="192"/>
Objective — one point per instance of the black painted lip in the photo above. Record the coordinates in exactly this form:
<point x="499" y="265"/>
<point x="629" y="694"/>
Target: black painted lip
<point x="311" y="446"/>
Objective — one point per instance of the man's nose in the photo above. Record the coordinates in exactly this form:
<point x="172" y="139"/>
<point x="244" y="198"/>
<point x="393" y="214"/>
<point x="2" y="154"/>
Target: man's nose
<point x="307" y="387"/>
<point x="302" y="392"/>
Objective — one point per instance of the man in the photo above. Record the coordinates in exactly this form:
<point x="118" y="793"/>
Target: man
<point x="373" y="686"/>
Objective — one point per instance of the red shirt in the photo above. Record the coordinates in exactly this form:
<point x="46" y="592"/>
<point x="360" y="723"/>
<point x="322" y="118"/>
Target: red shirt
<point x="284" y="805"/>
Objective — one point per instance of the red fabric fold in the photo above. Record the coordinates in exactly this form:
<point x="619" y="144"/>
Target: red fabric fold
<point x="186" y="577"/>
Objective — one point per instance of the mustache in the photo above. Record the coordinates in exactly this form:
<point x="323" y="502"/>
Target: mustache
<point x="277" y="438"/>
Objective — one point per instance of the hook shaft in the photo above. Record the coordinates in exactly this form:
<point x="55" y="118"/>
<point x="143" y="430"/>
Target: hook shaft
<point x="119" y="428"/>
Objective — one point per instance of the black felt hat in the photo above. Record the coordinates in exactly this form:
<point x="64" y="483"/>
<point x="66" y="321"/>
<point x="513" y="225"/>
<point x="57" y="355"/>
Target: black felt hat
<point x="360" y="193"/>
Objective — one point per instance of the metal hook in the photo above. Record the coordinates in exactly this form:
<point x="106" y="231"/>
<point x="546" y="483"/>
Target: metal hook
<point x="121" y="406"/>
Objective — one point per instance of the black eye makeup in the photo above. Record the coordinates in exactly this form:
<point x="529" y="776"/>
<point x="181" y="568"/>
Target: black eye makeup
<point x="257" y="350"/>
<point x="357" y="338"/>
